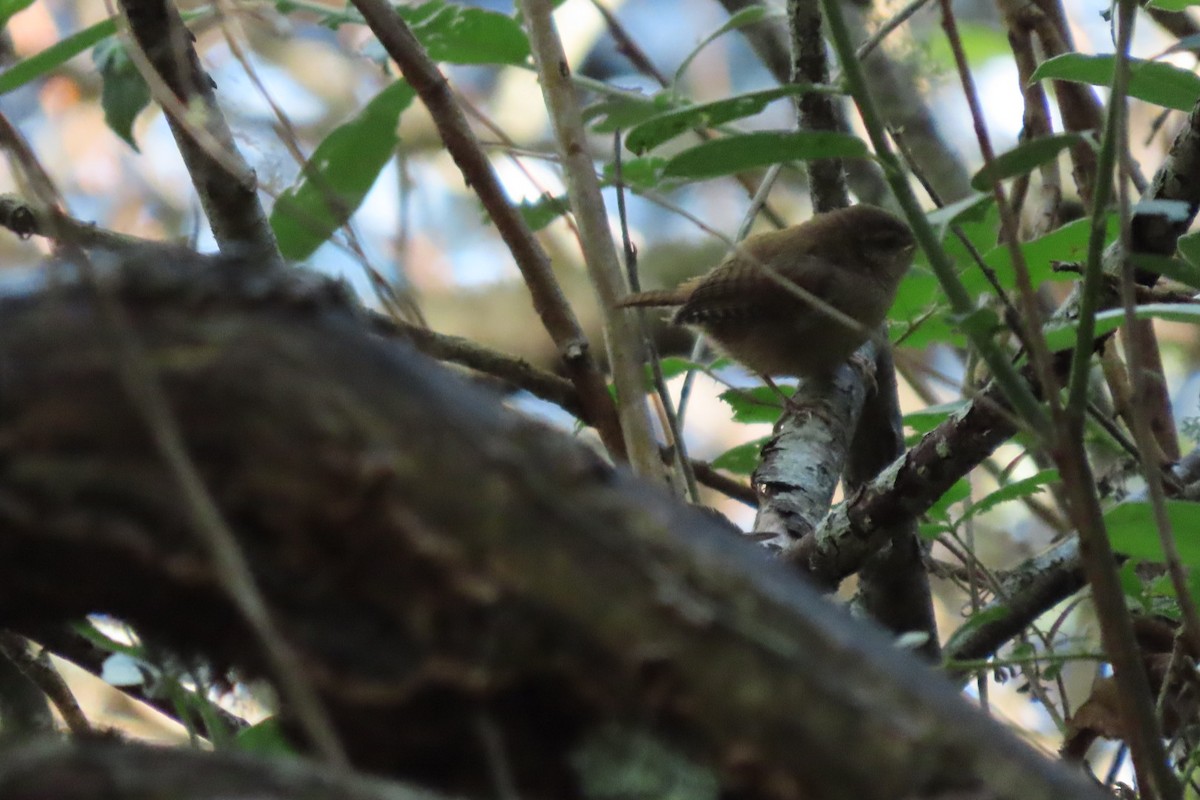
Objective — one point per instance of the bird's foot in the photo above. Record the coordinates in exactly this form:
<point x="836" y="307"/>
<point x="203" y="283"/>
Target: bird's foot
<point x="866" y="366"/>
<point x="790" y="406"/>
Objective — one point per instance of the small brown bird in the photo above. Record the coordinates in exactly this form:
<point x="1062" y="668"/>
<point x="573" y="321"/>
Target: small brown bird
<point x="852" y="258"/>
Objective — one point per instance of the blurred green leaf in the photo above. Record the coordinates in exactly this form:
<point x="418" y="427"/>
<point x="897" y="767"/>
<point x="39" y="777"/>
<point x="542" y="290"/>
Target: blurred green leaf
<point x="756" y="404"/>
<point x="339" y="174"/>
<point x="463" y="35"/>
<point x="1189" y="248"/>
<point x="1153" y="81"/>
<point x="1172" y="5"/>
<point x="969" y="208"/>
<point x="930" y="531"/>
<point x="541" y="212"/>
<point x="981" y="43"/>
<point x="742" y="459"/>
<point x="975" y="621"/>
<point x="928" y="418"/>
<point x="640" y="173"/>
<point x="1132" y="585"/>
<point x="920" y="294"/>
<point x="1011" y="491"/>
<point x="983" y="321"/>
<point x="10" y="8"/>
<point x="960" y="491"/>
<point x="1132" y="531"/>
<point x="1062" y="335"/>
<point x="124" y="93"/>
<point x="1023" y="158"/>
<point x="673" y="366"/>
<point x="54" y="56"/>
<point x="664" y="127"/>
<point x="1184" y="271"/>
<point x="265" y="739"/>
<point x="625" y="110"/>
<point x="745" y="151"/>
<point x="1068" y="243"/>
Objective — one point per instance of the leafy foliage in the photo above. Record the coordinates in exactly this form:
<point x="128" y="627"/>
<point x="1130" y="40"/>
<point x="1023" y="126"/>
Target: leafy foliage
<point x="340" y="173"/>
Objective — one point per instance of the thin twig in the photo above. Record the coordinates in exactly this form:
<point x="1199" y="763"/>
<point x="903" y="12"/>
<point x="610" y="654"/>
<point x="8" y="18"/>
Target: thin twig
<point x="548" y="300"/>
<point x="43" y="675"/>
<point x="622" y="332"/>
<point x="1137" y="704"/>
<point x="679" y="453"/>
<point x="1029" y="322"/>
<point x="895" y="21"/>
<point x="161" y="50"/>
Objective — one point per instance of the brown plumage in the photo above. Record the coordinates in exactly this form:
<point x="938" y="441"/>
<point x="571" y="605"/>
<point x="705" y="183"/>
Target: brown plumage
<point x="852" y="258"/>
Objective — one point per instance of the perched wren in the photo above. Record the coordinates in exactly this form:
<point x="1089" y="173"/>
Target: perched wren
<point x="852" y="259"/>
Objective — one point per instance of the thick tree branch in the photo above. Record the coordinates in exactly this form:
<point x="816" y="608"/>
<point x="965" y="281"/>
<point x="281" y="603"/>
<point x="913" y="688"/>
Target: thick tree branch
<point x="106" y="769"/>
<point x="439" y="561"/>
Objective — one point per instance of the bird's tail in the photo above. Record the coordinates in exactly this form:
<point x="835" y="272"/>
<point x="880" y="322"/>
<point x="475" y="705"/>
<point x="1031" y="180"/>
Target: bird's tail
<point x="661" y="297"/>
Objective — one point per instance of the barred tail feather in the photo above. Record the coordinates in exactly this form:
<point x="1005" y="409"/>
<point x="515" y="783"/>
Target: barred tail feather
<point x="662" y="297"/>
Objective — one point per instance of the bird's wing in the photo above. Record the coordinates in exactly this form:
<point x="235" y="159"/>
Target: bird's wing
<point x="738" y="289"/>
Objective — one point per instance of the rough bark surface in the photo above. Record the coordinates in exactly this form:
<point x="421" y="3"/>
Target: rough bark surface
<point x="443" y="565"/>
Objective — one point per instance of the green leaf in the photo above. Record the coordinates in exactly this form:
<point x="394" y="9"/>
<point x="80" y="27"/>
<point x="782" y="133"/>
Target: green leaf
<point x="639" y="173"/>
<point x="1189" y="248"/>
<point x="973" y="207"/>
<point x="266" y="739"/>
<point x="625" y="110"/>
<point x="664" y="127"/>
<point x="10" y="8"/>
<point x="981" y="43"/>
<point x="1172" y="5"/>
<point x="974" y="622"/>
<point x="747" y="16"/>
<point x="930" y="417"/>
<point x="1062" y="335"/>
<point x="732" y="154"/>
<point x="742" y="459"/>
<point x="1153" y="81"/>
<point x="125" y="93"/>
<point x="1175" y="269"/>
<point x="673" y="366"/>
<point x="982" y="321"/>
<point x="1132" y="585"/>
<point x="758" y="404"/>
<point x="101" y="640"/>
<point x="339" y="174"/>
<point x="55" y="55"/>
<point x="930" y="531"/>
<point x="1011" y="491"/>
<point x="960" y="491"/>
<point x="1132" y="531"/>
<point x="1068" y="243"/>
<point x="920" y="298"/>
<point x="541" y="212"/>
<point x="462" y="35"/>
<point x="1023" y="158"/>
